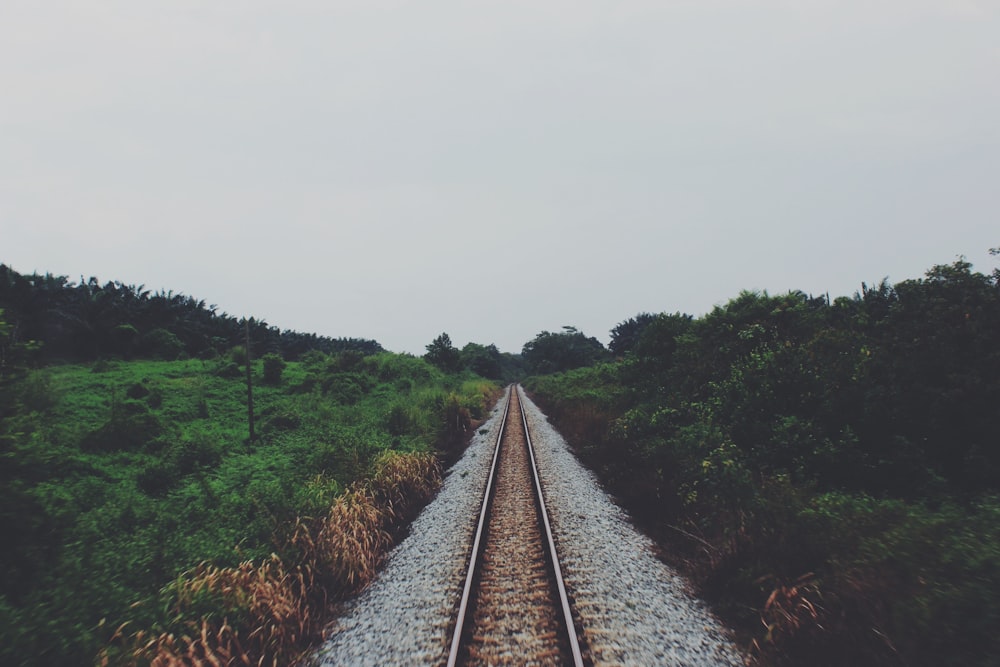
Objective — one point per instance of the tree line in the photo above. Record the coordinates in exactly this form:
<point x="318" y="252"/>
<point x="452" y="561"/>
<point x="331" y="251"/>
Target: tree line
<point x="547" y="352"/>
<point x="87" y="320"/>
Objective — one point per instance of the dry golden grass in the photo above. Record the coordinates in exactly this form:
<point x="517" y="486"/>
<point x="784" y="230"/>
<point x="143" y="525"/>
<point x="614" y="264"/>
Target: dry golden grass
<point x="350" y="542"/>
<point x="402" y="482"/>
<point x="266" y="613"/>
<point x="790" y="608"/>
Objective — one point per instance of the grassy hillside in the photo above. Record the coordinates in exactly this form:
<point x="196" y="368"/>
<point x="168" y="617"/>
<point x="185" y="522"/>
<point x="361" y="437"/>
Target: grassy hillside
<point x="119" y="476"/>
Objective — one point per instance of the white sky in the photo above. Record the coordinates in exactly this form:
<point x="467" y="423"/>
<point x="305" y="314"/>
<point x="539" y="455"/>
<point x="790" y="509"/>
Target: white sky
<point x="392" y="170"/>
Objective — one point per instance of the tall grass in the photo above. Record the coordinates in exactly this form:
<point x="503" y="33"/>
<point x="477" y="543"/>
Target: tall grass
<point x="268" y="611"/>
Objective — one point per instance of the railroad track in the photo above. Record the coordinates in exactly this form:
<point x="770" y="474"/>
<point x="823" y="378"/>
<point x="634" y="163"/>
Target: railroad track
<point x="514" y="607"/>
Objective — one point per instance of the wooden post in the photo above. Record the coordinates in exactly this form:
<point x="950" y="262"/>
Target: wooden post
<point x="249" y="383"/>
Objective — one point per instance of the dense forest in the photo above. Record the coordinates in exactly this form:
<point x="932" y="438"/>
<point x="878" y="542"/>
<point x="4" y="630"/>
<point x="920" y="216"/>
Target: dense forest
<point x="60" y="320"/>
<point x="140" y="519"/>
<point x="827" y="470"/>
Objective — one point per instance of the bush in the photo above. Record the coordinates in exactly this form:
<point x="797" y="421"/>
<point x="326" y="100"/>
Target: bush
<point x="37" y="392"/>
<point x="347" y="388"/>
<point x="284" y="420"/>
<point x="157" y="478"/>
<point x="348" y="360"/>
<point x="238" y="355"/>
<point x="155" y="397"/>
<point x="189" y="456"/>
<point x="398" y="420"/>
<point x="137" y="390"/>
<point x="131" y="426"/>
<point x="102" y="366"/>
<point x="274" y="366"/>
<point x="230" y="370"/>
<point x="161" y="344"/>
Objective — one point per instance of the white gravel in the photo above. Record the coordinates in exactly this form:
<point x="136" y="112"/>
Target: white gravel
<point x="636" y="610"/>
<point x="404" y="617"/>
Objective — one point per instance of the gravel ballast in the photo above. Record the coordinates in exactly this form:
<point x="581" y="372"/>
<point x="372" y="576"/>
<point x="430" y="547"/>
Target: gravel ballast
<point x="634" y="609"/>
<point x="404" y="617"/>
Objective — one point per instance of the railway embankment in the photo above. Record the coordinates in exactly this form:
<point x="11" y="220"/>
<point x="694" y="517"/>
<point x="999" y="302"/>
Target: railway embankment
<point x="630" y="608"/>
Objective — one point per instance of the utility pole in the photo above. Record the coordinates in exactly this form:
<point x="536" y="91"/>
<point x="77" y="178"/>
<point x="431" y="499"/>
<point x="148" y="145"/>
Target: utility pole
<point x="249" y="382"/>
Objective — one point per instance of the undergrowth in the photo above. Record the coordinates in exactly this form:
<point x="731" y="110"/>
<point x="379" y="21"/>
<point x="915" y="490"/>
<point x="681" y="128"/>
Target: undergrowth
<point x="268" y="611"/>
<point x="826" y="472"/>
<point x="122" y="476"/>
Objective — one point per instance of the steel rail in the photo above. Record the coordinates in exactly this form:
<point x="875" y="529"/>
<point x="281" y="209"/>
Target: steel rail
<point x="574" y="643"/>
<point x="476" y="555"/>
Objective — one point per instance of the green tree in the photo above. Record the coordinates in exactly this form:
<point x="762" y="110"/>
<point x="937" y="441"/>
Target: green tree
<point x="444" y="355"/>
<point x="555" y="352"/>
<point x="484" y="360"/>
<point x="625" y="335"/>
<point x="161" y="344"/>
<point x="274" y="366"/>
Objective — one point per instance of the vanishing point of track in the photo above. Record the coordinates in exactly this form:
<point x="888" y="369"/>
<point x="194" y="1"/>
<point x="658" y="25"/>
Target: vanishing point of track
<point x="514" y="607"/>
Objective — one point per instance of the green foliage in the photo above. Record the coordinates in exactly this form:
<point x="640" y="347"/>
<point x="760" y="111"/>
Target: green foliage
<point x="274" y="366"/>
<point x="488" y="362"/>
<point x="512" y="367"/>
<point x="36" y="393"/>
<point x="16" y="353"/>
<point x="112" y="483"/>
<point x="125" y="337"/>
<point x="625" y="335"/>
<point x="444" y="355"/>
<point x="483" y="360"/>
<point x="50" y="318"/>
<point x="131" y="425"/>
<point x="238" y="355"/>
<point x="555" y="352"/>
<point x="828" y="471"/>
<point x="161" y="344"/>
<point x="401" y="369"/>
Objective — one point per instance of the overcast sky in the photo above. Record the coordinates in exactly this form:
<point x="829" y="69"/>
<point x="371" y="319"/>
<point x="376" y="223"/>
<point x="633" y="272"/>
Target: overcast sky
<point x="392" y="170"/>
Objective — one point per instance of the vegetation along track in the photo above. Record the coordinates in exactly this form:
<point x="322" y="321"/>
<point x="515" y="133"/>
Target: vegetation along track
<point x="514" y="608"/>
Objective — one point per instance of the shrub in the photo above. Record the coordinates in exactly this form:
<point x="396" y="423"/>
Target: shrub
<point x="101" y="366"/>
<point x="238" y="355"/>
<point x="137" y="390"/>
<point x="124" y="337"/>
<point x="191" y="455"/>
<point x="314" y="359"/>
<point x="347" y="388"/>
<point x="157" y="478"/>
<point x="274" y="366"/>
<point x="155" y="397"/>
<point x="161" y="344"/>
<point x="130" y="427"/>
<point x="284" y="420"/>
<point x="229" y="370"/>
<point x="398" y="420"/>
<point x="37" y="392"/>
<point x="348" y="360"/>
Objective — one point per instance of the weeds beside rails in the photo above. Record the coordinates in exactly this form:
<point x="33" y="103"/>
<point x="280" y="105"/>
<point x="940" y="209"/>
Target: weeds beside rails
<point x="267" y="613"/>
